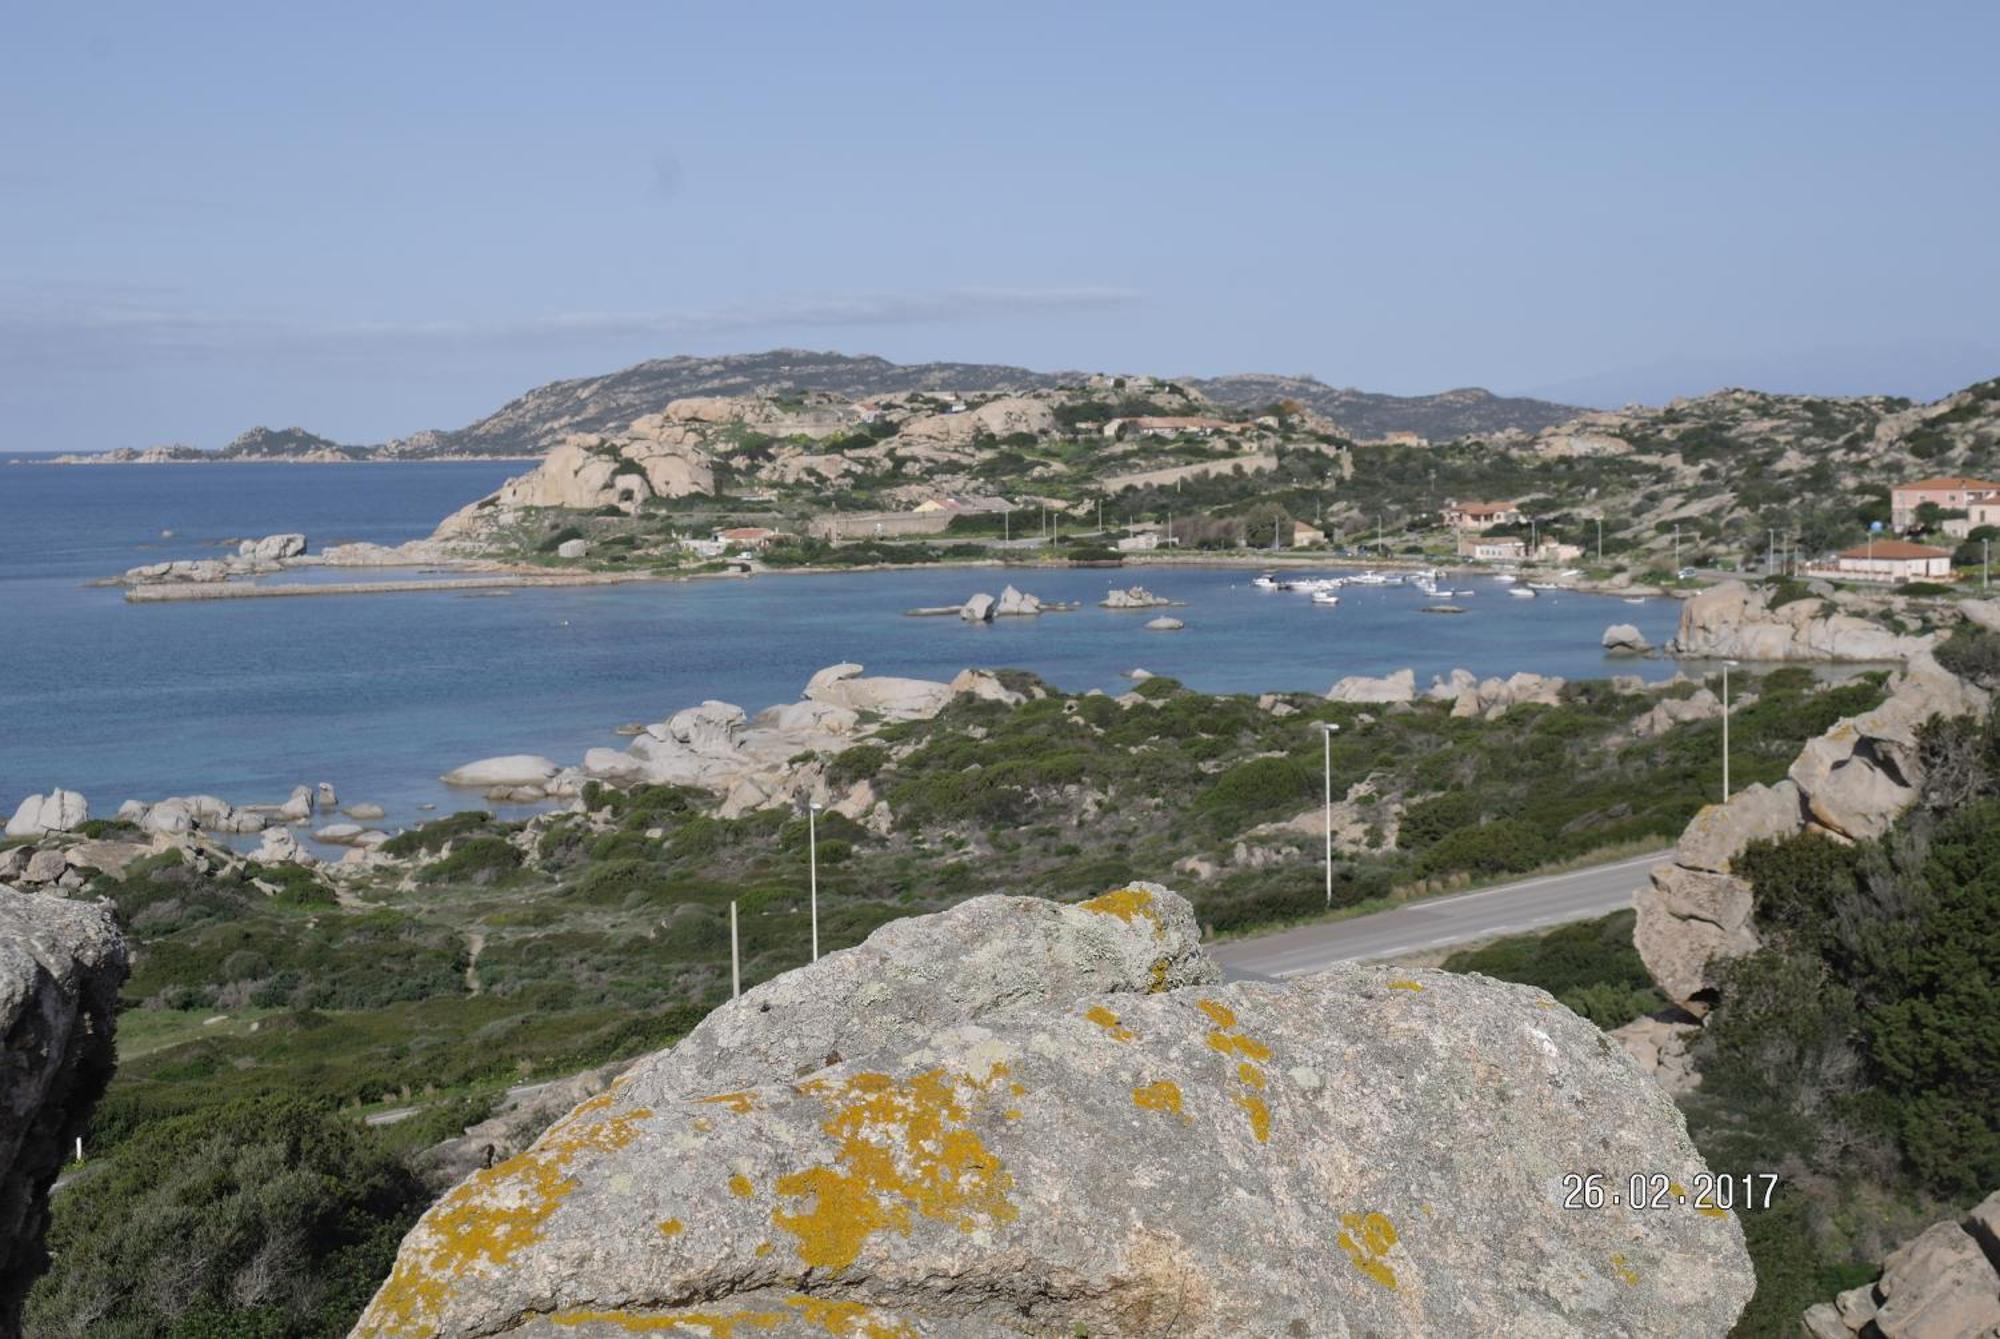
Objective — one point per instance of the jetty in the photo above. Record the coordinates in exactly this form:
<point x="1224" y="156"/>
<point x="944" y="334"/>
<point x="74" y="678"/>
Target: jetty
<point x="233" y="591"/>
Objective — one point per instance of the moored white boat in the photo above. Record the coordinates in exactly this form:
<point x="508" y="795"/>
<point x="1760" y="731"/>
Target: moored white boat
<point x="1521" y="592"/>
<point x="1325" y="597"/>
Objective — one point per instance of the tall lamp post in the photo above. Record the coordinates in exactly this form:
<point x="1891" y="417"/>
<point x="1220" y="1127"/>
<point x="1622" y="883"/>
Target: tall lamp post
<point x="1327" y="730"/>
<point x="1725" y="729"/>
<point x="812" y="866"/>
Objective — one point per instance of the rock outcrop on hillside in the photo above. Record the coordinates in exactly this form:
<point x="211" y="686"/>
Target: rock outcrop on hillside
<point x="657" y="456"/>
<point x="1852" y="782"/>
<point x="1733" y="621"/>
<point x="1020" y="1118"/>
<point x="1942" y="1284"/>
<point x="61" y="964"/>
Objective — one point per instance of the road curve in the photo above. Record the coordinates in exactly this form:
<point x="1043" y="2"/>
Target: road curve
<point x="1511" y="908"/>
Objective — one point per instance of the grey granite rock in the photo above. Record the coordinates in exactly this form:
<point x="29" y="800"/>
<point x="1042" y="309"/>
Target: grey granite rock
<point x="1015" y="1118"/>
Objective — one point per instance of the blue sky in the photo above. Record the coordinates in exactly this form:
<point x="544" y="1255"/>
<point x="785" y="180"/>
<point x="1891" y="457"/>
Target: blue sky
<point x="371" y="219"/>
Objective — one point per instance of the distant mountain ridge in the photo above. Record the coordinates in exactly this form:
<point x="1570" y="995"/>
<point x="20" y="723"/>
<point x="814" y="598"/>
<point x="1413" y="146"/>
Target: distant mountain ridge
<point x="532" y="423"/>
<point x="537" y="420"/>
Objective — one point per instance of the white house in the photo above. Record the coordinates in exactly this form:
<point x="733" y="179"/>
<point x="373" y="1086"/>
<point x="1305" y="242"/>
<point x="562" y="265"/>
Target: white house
<point x="1891" y="560"/>
<point x="1499" y="549"/>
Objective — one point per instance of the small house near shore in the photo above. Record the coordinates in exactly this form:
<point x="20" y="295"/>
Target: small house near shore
<point x="1893" y="560"/>
<point x="1500" y="549"/>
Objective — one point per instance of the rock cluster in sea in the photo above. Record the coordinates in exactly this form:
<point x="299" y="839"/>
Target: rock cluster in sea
<point x="1019" y="1117"/>
<point x="252" y="556"/>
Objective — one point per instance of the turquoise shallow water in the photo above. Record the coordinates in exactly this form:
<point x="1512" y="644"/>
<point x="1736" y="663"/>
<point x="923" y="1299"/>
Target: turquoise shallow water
<point x="379" y="694"/>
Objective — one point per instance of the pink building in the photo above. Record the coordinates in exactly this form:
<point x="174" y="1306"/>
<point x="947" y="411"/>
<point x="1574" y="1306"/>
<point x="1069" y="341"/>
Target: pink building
<point x="1952" y="493"/>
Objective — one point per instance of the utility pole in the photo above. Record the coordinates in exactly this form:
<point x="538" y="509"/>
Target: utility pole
<point x="735" y="957"/>
<point x="812" y="848"/>
<point x="1725" y="729"/>
<point x="1327" y="731"/>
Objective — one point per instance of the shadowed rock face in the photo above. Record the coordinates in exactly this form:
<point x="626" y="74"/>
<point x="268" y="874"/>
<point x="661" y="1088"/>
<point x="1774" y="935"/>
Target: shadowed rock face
<point x="61" y="964"/>
<point x="1017" y="1118"/>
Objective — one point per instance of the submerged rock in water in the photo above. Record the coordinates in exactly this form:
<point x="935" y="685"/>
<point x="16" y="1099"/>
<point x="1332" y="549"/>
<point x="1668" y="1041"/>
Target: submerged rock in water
<point x="1018" y="1118"/>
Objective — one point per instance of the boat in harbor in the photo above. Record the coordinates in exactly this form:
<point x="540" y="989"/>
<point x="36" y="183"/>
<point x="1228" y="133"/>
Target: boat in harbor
<point x="1269" y="581"/>
<point x="1325" y="597"/>
<point x="1521" y="592"/>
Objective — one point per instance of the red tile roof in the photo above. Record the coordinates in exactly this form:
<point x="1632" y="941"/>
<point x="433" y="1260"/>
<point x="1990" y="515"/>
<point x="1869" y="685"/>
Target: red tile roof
<point x="1952" y="481"/>
<point x="1895" y="548"/>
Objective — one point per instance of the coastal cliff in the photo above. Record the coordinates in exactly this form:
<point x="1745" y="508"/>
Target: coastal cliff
<point x="61" y="964"/>
<point x="1018" y="1117"/>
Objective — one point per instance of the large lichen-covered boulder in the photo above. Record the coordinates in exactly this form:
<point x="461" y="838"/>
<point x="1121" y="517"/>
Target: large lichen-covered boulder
<point x="980" y="1152"/>
<point x="61" y="964"/>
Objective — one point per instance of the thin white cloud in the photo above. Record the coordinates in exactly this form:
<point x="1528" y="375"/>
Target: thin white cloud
<point x="42" y="325"/>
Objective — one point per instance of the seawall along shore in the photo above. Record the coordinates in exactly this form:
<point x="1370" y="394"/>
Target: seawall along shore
<point x="225" y="591"/>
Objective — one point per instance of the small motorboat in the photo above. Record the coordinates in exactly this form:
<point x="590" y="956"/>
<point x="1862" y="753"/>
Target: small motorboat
<point x="1461" y="594"/>
<point x="1635" y="599"/>
<point x="1506" y="578"/>
<point x="1521" y="592"/>
<point x="1268" y="581"/>
<point x="1443" y="609"/>
<point x="1325" y="597"/>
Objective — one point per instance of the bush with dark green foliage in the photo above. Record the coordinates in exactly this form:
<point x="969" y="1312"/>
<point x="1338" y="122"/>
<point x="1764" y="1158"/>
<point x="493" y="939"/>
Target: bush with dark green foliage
<point x="1859" y="1047"/>
<point x="430" y="838"/>
<point x="475" y="860"/>
<point x="1259" y="789"/>
<point x="271" y="1219"/>
<point x="1504" y="846"/>
<point x="1591" y="967"/>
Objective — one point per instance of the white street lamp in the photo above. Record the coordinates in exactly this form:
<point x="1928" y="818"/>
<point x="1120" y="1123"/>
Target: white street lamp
<point x="1327" y="730"/>
<point x="1725" y="729"/>
<point x="812" y="857"/>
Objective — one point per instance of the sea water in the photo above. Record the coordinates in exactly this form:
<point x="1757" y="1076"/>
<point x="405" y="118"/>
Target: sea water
<point x="380" y="693"/>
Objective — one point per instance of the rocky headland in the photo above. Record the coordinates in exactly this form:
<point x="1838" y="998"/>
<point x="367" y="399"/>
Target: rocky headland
<point x="1018" y="1117"/>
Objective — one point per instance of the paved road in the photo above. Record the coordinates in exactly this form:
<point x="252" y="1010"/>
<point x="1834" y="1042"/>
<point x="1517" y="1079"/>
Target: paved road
<point x="1509" y="909"/>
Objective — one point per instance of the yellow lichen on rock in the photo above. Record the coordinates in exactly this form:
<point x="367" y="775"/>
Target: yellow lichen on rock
<point x="901" y="1144"/>
<point x="1400" y="984"/>
<point x="490" y="1218"/>
<point x="1107" y="1020"/>
<point x="672" y="1227"/>
<point x="740" y="1103"/>
<point x="739" y="1186"/>
<point x="1367" y="1238"/>
<point x="1259" y="1113"/>
<point x="1623" y="1269"/>
<point x="1162" y="1096"/>
<point x="1126" y="904"/>
<point x="843" y="1320"/>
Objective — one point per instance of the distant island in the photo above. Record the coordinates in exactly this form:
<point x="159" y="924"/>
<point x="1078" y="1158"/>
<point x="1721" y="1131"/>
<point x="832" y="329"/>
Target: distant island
<point x="533" y="424"/>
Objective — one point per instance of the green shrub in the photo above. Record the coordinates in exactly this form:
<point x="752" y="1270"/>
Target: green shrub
<point x="477" y="860"/>
<point x="1429" y="821"/>
<point x="1504" y="846"/>
<point x="860" y="763"/>
<point x="1260" y="788"/>
<point x="431" y="837"/>
<point x="262" y="1218"/>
